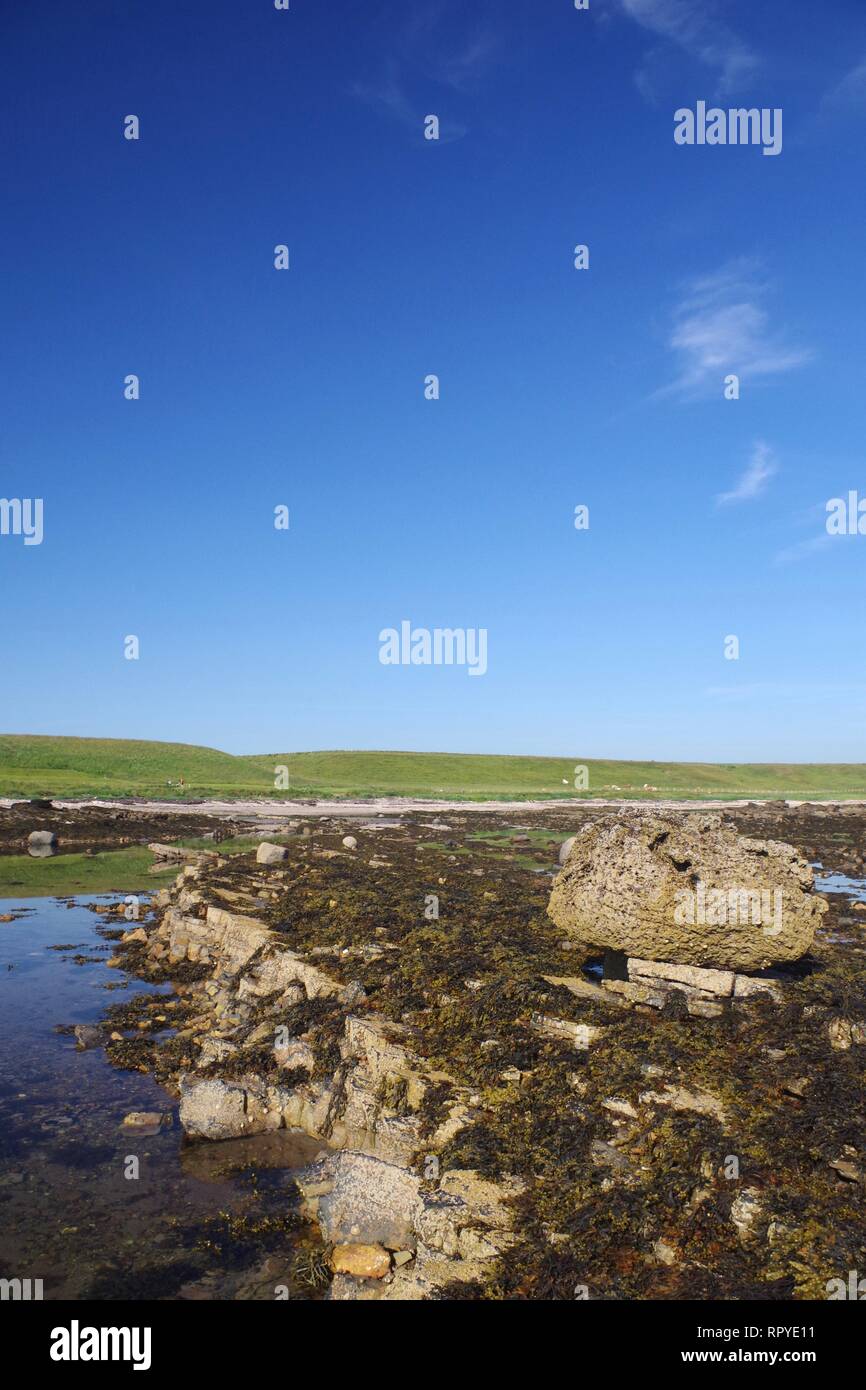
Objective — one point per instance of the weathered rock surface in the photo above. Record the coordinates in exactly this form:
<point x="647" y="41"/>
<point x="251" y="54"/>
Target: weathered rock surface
<point x="212" y="1109"/>
<point x="179" y="853"/>
<point x="687" y="890"/>
<point x="360" y="1199"/>
<point x="146" y="1123"/>
<point x="577" y="1035"/>
<point x="283" y="1035"/>
<point x="42" y="839"/>
<point x="271" y="854"/>
<point x="362" y="1261"/>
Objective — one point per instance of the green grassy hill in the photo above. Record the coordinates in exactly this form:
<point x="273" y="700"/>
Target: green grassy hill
<point x="36" y="765"/>
<point x="33" y="765"/>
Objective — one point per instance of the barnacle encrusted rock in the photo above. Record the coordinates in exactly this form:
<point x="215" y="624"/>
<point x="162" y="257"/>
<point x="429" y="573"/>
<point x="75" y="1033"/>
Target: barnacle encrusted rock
<point x="688" y="889"/>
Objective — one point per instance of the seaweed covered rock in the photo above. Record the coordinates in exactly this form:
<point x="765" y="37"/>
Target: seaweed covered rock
<point x="688" y="889"/>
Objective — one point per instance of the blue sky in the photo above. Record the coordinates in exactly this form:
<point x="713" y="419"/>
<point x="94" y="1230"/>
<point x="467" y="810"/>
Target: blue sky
<point x="455" y="257"/>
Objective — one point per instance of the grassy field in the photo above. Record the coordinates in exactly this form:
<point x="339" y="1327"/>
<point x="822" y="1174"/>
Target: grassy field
<point x="34" y="765"/>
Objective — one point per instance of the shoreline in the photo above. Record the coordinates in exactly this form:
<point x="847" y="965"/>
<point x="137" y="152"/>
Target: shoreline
<point x="405" y="805"/>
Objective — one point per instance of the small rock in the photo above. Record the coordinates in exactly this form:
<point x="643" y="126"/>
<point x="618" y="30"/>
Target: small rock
<point x="618" y="1106"/>
<point x="513" y="1075"/>
<point x="607" y="1156"/>
<point x="665" y="1252"/>
<point x="746" y="1209"/>
<point x="271" y="854"/>
<point x="797" y="1086"/>
<point x="297" y="1055"/>
<point x="778" y="1230"/>
<point x="349" y="842"/>
<point x="144" y="1122"/>
<point x="635" y="993"/>
<point x="705" y="1008"/>
<point x="363" y="1261"/>
<point x="847" y="1169"/>
<point x="701" y="1102"/>
<point x="216" y="1050"/>
<point x="366" y="1200"/>
<point x="844" y="1034"/>
<point x="87" y="1036"/>
<point x="579" y="1035"/>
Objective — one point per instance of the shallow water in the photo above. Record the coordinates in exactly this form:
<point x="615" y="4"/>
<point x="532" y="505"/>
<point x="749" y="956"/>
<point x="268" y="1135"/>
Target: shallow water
<point x="838" y="883"/>
<point x="68" y="1214"/>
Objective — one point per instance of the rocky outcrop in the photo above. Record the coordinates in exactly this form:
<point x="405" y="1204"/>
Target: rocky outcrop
<point x="213" y="1109"/>
<point x="395" y="1229"/>
<point x="435" y="1235"/>
<point x="358" y="1197"/>
<point x="686" y="890"/>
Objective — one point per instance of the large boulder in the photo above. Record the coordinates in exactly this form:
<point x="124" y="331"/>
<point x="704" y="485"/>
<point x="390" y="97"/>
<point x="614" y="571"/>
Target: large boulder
<point x="213" y="1109"/>
<point x="688" y="889"/>
<point x="362" y="1199"/>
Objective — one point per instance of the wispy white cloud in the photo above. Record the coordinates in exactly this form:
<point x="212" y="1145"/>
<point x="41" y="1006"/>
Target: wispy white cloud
<point x="463" y="68"/>
<point x="721" y="327"/>
<point x="697" y="28"/>
<point x="421" y="61"/>
<point x="761" y="467"/>
<point x="388" y="94"/>
<point x="850" y="91"/>
<point x="803" y="550"/>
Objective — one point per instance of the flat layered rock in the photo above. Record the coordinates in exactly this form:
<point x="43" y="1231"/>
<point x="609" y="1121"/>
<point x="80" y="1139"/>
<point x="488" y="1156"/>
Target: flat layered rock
<point x="178" y="852"/>
<point x="577" y="1035"/>
<point x="689" y="977"/>
<point x="688" y="890"/>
